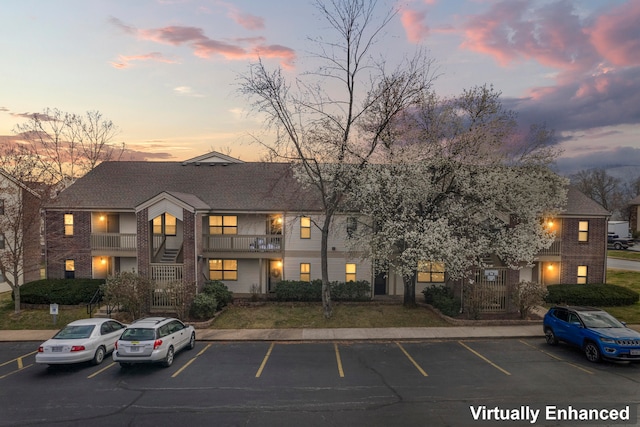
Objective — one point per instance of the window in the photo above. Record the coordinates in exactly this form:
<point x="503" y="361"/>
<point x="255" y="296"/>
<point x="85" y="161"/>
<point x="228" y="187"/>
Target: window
<point x="223" y="224"/>
<point x="583" y="231"/>
<point x="582" y="275"/>
<point x="275" y="224"/>
<point x="1" y="241"/>
<point x="223" y="269"/>
<point x="166" y="224"/>
<point x="352" y="225"/>
<point x="68" y="224"/>
<point x="305" y="272"/>
<point x="305" y="227"/>
<point x="69" y="269"/>
<point x="350" y="270"/>
<point x="430" y="272"/>
<point x="157" y="225"/>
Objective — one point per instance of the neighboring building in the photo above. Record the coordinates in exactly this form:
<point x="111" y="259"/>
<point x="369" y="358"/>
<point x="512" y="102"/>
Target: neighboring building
<point x="20" y="224"/>
<point x="252" y="225"/>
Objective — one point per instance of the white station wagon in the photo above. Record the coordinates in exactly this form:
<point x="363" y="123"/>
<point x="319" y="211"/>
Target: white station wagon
<point x="153" y="339"/>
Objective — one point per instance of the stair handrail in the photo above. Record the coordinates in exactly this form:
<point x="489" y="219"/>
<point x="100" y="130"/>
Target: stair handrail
<point x="95" y="299"/>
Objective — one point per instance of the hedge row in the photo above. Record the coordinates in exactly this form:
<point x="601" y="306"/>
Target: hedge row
<point x="591" y="295"/>
<point x="442" y="298"/>
<point x="59" y="291"/>
<point x="292" y="290"/>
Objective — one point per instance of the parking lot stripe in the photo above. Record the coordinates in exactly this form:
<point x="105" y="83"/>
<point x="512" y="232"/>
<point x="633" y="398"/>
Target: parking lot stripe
<point x="406" y="353"/>
<point x="190" y="361"/>
<point x="264" y="361"/>
<point x="484" y="358"/>
<point x="17" y="370"/>
<point x="101" y="370"/>
<point x="558" y="358"/>
<point x="340" y="371"/>
<point x="18" y="359"/>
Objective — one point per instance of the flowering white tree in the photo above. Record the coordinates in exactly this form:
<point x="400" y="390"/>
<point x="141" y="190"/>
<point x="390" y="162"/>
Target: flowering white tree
<point x="330" y="128"/>
<point x="455" y="184"/>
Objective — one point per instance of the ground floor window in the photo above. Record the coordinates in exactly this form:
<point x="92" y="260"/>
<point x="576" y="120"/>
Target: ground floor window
<point x="582" y="275"/>
<point x="430" y="272"/>
<point x="305" y="272"/>
<point x="69" y="269"/>
<point x="223" y="269"/>
<point x="350" y="273"/>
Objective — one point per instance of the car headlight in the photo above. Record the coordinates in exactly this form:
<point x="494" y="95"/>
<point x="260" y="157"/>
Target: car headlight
<point x="608" y="340"/>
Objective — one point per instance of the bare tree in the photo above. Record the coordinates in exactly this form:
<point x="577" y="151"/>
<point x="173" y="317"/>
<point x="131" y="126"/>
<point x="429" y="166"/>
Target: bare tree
<point x="601" y="187"/>
<point x="331" y="126"/>
<point x="68" y="145"/>
<point x="20" y="200"/>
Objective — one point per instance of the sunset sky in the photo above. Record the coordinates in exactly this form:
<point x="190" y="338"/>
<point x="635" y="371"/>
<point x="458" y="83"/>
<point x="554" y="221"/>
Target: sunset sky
<point x="166" y="71"/>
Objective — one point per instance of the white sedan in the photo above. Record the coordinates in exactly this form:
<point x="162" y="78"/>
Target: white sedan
<point x="81" y="341"/>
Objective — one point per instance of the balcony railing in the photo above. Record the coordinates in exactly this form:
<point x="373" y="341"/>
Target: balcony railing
<point x="244" y="243"/>
<point x="114" y="241"/>
<point x="555" y="249"/>
<point x="166" y="273"/>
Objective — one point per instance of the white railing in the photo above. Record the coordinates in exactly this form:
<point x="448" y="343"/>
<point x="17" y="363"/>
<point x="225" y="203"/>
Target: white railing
<point x="253" y="243"/>
<point x="166" y="273"/>
<point x="554" y="249"/>
<point x="114" y="241"/>
<point x="490" y="291"/>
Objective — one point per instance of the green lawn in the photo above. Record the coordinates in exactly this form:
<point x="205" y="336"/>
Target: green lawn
<point x="631" y="280"/>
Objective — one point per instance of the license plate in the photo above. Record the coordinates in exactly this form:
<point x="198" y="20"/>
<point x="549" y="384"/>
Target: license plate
<point x="635" y="352"/>
<point x="56" y="349"/>
<point x="135" y="349"/>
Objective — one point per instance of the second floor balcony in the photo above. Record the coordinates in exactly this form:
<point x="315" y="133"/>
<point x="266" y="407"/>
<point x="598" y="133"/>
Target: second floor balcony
<point x="114" y="241"/>
<point x="243" y="243"/>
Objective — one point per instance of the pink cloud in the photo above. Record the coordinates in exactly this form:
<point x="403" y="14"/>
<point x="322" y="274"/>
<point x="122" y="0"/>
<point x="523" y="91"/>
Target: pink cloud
<point x="245" y="20"/>
<point x="173" y="35"/>
<point x="616" y="35"/>
<point x="414" y="24"/>
<point x="124" y="61"/>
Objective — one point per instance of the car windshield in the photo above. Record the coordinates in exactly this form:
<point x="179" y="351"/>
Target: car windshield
<point x="599" y="319"/>
<point x="74" y="332"/>
<point x="138" y="334"/>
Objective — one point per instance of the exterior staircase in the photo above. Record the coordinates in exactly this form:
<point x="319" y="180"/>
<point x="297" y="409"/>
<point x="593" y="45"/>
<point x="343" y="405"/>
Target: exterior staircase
<point x="169" y="256"/>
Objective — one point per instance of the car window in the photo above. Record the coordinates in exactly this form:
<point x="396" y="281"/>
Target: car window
<point x="600" y="320"/>
<point x="74" y="332"/>
<point x="574" y="319"/>
<point x="115" y="326"/>
<point x="176" y="326"/>
<point x="105" y="328"/>
<point x="138" y="334"/>
<point x="561" y="314"/>
<point x="163" y="331"/>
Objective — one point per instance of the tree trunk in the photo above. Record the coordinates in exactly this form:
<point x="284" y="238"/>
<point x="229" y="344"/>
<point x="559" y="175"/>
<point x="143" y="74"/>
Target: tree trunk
<point x="409" y="290"/>
<point x="324" y="266"/>
<point x="16" y="296"/>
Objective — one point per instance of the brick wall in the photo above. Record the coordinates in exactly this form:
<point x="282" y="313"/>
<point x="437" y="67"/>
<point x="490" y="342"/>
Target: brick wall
<point x="31" y="237"/>
<point x="591" y="253"/>
<point x="60" y="247"/>
<point x="144" y="250"/>
<point x="189" y="248"/>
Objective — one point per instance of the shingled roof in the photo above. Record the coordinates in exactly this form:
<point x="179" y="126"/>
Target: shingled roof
<point x="578" y="204"/>
<point x="230" y="187"/>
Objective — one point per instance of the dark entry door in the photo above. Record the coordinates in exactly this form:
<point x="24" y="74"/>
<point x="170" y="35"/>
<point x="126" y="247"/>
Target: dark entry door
<point x="380" y="284"/>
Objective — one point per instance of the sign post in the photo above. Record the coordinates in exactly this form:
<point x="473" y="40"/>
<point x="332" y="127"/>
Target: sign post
<point x="53" y="310"/>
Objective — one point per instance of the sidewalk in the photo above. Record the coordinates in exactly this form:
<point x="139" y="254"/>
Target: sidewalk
<point x="335" y="334"/>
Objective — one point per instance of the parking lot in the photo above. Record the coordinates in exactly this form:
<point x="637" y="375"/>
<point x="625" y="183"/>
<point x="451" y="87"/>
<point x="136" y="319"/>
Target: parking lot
<point x="321" y="383"/>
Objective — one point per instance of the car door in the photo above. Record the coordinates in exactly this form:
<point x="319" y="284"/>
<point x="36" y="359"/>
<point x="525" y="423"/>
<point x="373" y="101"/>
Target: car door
<point x="560" y="323"/>
<point x="112" y="331"/>
<point x="178" y="332"/>
<point x="574" y="329"/>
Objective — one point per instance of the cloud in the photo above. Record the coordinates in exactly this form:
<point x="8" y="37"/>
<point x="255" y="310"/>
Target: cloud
<point x="245" y="20"/>
<point x="205" y="47"/>
<point x="616" y="35"/>
<point x="414" y="24"/>
<point x="124" y="61"/>
<point x="187" y="91"/>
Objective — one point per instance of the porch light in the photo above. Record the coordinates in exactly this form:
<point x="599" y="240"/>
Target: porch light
<point x="550" y="267"/>
<point x="279" y="264"/>
<point x="103" y="260"/>
<point x="101" y="217"/>
<point x="550" y="223"/>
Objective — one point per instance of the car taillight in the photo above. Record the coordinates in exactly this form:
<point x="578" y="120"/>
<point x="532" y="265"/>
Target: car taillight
<point x="116" y="345"/>
<point x="77" y="348"/>
<point x="157" y="344"/>
<point x="40" y="349"/>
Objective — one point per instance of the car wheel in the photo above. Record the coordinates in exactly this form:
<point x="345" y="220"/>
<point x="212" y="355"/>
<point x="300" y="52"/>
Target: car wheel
<point x="550" y="336"/>
<point x="617" y="246"/>
<point x="168" y="360"/>
<point x="192" y="341"/>
<point x="99" y="356"/>
<point x="592" y="352"/>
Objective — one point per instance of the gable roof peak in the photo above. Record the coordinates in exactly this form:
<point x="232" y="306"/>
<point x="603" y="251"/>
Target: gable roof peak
<point x="213" y="158"/>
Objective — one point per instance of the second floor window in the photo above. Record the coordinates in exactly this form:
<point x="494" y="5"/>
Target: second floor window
<point x="430" y="272"/>
<point x="68" y="224"/>
<point x="583" y="231"/>
<point x="223" y="224"/>
<point x="305" y="227"/>
<point x="166" y="224"/>
<point x="305" y="272"/>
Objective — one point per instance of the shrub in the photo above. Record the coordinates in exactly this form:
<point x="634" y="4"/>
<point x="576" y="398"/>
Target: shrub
<point x="442" y="298"/>
<point x="527" y="295"/>
<point x="351" y="291"/>
<point x="295" y="290"/>
<point x="219" y="291"/>
<point x="204" y="306"/>
<point x="59" y="291"/>
<point x="591" y="295"/>
<point x="130" y="292"/>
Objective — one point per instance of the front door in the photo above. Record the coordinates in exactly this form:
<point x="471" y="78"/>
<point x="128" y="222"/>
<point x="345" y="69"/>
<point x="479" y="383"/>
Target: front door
<point x="275" y="274"/>
<point x="380" y="284"/>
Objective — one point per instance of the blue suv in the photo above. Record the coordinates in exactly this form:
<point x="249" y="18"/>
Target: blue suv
<point x="596" y="332"/>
